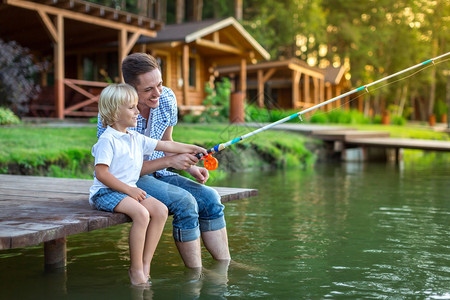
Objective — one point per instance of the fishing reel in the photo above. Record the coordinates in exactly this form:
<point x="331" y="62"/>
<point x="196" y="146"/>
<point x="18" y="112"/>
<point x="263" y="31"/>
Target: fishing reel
<point x="210" y="162"/>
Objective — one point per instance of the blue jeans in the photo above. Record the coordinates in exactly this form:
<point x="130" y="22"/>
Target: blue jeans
<point x="195" y="207"/>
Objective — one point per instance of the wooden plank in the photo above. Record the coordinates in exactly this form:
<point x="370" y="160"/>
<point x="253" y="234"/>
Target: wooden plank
<point x="301" y="128"/>
<point x="430" y="145"/>
<point x="344" y="135"/>
<point x="53" y="208"/>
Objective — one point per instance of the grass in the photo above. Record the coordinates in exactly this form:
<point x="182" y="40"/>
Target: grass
<point x="66" y="152"/>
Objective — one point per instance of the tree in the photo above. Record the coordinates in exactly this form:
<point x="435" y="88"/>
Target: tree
<point x="282" y="26"/>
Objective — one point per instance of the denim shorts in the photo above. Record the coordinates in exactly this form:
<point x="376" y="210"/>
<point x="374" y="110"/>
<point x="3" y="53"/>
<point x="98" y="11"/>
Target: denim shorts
<point x="107" y="199"/>
<point x="194" y="206"/>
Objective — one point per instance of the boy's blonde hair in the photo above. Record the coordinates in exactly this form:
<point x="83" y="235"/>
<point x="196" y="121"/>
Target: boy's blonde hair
<point x="111" y="98"/>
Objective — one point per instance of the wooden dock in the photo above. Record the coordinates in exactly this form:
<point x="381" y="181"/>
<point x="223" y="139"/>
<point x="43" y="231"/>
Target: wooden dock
<point x="45" y="209"/>
<point x="341" y="141"/>
<point x="397" y="143"/>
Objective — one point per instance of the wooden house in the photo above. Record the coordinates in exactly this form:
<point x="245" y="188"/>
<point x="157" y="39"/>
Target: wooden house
<point x="190" y="52"/>
<point x="335" y="85"/>
<point x="73" y="35"/>
<point x="290" y="83"/>
<point x="86" y="42"/>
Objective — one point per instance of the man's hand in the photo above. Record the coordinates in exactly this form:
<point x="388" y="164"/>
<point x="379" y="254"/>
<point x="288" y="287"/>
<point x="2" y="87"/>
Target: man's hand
<point x="200" y="174"/>
<point x="183" y="161"/>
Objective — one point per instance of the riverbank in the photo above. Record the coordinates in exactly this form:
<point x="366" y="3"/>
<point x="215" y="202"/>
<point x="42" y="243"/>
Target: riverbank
<point x="65" y="151"/>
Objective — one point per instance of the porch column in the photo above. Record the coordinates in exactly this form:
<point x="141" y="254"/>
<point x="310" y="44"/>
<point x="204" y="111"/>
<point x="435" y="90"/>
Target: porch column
<point x="338" y="93"/>
<point x="243" y="76"/>
<point x="56" y="34"/>
<point x="329" y="93"/>
<point x="322" y="90"/>
<point x="260" y="88"/>
<point x="316" y="90"/>
<point x="296" y="75"/>
<point x="125" y="45"/>
<point x="59" y="67"/>
<point x="306" y="89"/>
<point x="262" y="79"/>
<point x="185" y="74"/>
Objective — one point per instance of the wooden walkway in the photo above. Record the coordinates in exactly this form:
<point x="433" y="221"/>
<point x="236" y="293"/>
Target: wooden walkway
<point x="44" y="209"/>
<point x="401" y="143"/>
<point x="344" y="138"/>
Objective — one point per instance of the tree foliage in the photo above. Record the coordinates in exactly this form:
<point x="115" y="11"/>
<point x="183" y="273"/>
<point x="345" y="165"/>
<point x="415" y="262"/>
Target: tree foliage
<point x="17" y="85"/>
<point x="372" y="39"/>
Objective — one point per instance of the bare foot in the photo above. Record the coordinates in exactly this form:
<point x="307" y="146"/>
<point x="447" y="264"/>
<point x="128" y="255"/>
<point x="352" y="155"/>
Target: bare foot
<point x="137" y="277"/>
<point x="147" y="272"/>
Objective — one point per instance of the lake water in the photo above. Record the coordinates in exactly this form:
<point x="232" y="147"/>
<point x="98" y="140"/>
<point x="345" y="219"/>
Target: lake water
<point x="337" y="231"/>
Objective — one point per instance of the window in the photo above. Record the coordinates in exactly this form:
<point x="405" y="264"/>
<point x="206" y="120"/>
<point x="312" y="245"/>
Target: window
<point x="192" y="72"/>
<point x="192" y="80"/>
<point x="163" y="63"/>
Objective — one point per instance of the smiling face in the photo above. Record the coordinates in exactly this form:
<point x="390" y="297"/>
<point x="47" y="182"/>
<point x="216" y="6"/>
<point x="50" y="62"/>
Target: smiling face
<point x="126" y="116"/>
<point x="149" y="89"/>
<point x="117" y="106"/>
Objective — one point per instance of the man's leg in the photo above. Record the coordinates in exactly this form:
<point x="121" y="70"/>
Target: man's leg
<point x="190" y="253"/>
<point x="211" y="217"/>
<point x="182" y="205"/>
<point x="216" y="242"/>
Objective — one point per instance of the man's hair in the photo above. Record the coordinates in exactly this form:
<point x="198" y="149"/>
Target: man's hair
<point x="111" y="98"/>
<point x="137" y="64"/>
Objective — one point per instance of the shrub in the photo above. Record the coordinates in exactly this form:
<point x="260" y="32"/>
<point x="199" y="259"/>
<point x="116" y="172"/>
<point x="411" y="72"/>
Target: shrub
<point x="398" y="120"/>
<point x="255" y="114"/>
<point x="7" y="117"/>
<point x="319" y="117"/>
<point x="217" y="102"/>
<point x="440" y="108"/>
<point x="17" y="85"/>
<point x="376" y="119"/>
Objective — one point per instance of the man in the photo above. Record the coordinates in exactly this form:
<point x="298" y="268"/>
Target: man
<point x="196" y="208"/>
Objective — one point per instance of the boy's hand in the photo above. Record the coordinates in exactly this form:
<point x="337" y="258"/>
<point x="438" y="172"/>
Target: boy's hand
<point x="137" y="193"/>
<point x="183" y="161"/>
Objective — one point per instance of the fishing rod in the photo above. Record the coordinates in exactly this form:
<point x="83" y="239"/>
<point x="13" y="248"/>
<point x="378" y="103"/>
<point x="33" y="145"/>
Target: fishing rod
<point x="211" y="162"/>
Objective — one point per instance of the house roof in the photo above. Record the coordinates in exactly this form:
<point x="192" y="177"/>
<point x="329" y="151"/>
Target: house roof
<point x="86" y="24"/>
<point x="334" y="75"/>
<point x="192" y="31"/>
<point x="286" y="64"/>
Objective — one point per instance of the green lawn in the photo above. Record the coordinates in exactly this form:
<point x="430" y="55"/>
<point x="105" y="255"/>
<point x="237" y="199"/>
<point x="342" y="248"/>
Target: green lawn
<point x="66" y="151"/>
<point x="61" y="151"/>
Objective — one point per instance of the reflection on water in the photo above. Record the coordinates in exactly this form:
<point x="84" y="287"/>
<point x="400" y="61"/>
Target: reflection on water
<point x="337" y="231"/>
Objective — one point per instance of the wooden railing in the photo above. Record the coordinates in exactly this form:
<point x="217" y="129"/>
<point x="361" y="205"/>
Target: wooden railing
<point x="89" y="89"/>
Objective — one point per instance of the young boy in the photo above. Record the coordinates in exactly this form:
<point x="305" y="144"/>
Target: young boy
<point x="119" y="155"/>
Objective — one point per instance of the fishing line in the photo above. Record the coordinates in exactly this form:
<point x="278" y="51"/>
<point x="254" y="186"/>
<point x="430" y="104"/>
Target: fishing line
<point x="211" y="162"/>
<point x="377" y="88"/>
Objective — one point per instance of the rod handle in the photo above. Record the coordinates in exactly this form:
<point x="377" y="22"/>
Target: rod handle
<point x="199" y="155"/>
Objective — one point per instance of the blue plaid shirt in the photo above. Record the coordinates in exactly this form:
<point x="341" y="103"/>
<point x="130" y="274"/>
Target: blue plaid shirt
<point x="165" y="115"/>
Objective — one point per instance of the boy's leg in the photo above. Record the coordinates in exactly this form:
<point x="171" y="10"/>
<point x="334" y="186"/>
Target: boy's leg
<point x="158" y="216"/>
<point x="140" y="217"/>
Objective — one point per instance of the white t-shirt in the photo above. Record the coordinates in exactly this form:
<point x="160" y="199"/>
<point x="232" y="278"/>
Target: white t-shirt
<point x="123" y="153"/>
